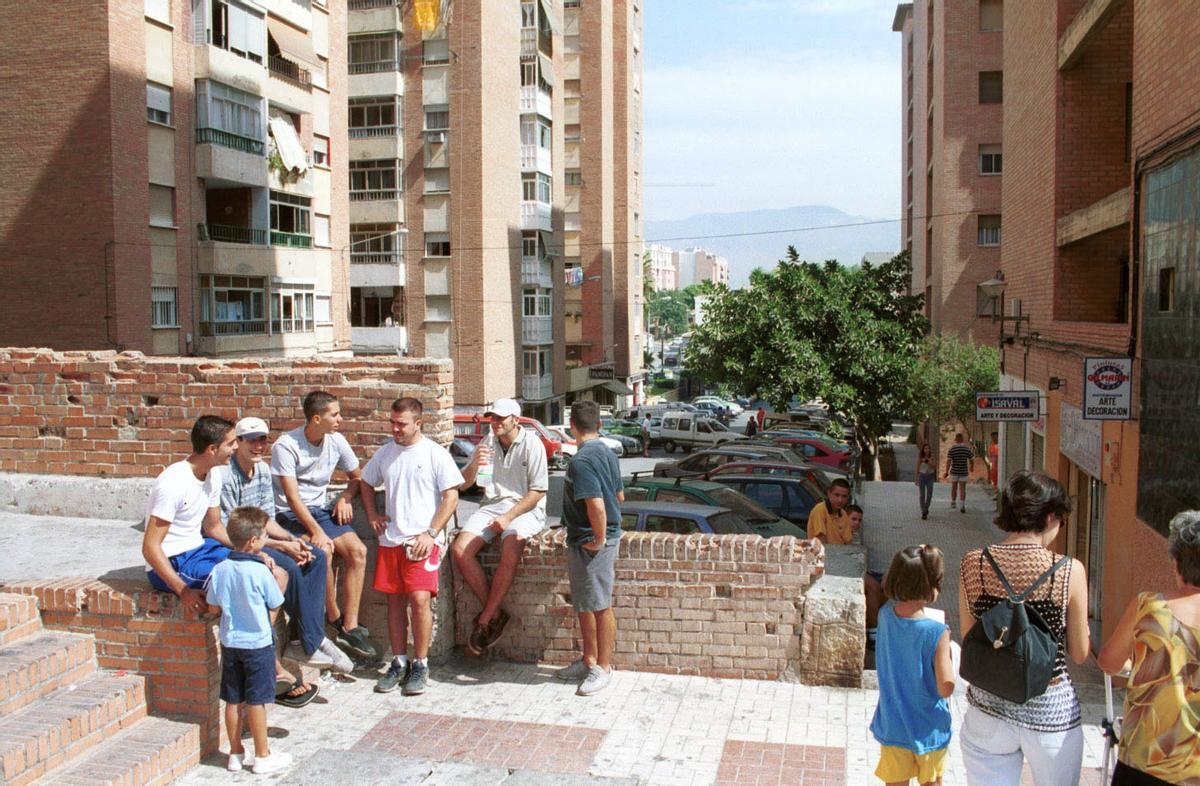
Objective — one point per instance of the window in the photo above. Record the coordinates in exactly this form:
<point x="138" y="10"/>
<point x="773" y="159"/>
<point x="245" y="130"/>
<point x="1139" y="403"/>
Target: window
<point x="374" y="53"/>
<point x="374" y="116"/>
<point x="321" y="151"/>
<point x="437" y="244"/>
<point x="573" y="177"/>
<point x="375" y="243"/>
<point x="437" y="51"/>
<point x="671" y="495"/>
<point x="989" y="230"/>
<point x="158" y="103"/>
<point x="990" y="160"/>
<point x="629" y="522"/>
<point x="324" y="310"/>
<point x="162" y="307"/>
<point x="230" y="110"/>
<point x="529" y="245"/>
<point x="1166" y="289"/>
<point x="528" y="15"/>
<point x="535" y="303"/>
<point x="671" y="525"/>
<point x="292" y="308"/>
<point x="437" y="117"/>
<point x="635" y="493"/>
<point x="376" y="306"/>
<point x="535" y="187"/>
<point x="528" y="74"/>
<point x="162" y="206"/>
<point x="437" y="181"/>
<point x="232" y="305"/>
<point x="290" y="213"/>
<point x="374" y="179"/>
<point x="237" y="29"/>
<point x="321" y="231"/>
<point x="991" y="15"/>
<point x="991" y="87"/>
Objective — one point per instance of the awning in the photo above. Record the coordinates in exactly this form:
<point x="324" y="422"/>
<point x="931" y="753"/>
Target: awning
<point x="552" y="249"/>
<point x="616" y="386"/>
<point x="547" y="68"/>
<point x="294" y="44"/>
<point x="287" y="142"/>
<point x="548" y="15"/>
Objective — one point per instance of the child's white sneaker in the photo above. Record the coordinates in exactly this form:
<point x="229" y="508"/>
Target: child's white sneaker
<point x="275" y="762"/>
<point x="237" y="761"/>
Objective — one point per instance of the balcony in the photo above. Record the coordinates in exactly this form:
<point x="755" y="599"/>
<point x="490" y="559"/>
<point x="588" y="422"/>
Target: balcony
<point x="253" y="327"/>
<point x="537" y="330"/>
<point x="290" y="239"/>
<point x="378" y="340"/>
<point x="378" y="270"/>
<point x="375" y="132"/>
<point x="377" y="66"/>
<point x="287" y="71"/>
<point x="535" y="388"/>
<point x="535" y="158"/>
<point x="377" y="258"/>
<point x="367" y="5"/>
<point x="213" y="62"/>
<point x="534" y="100"/>
<point x="372" y="16"/>
<point x="223" y="233"/>
<point x="215" y="136"/>
<point x="377" y="207"/>
<point x="536" y="215"/>
<point x="378" y="78"/>
<point x="375" y="143"/>
<point x="225" y="158"/>
<point x="536" y="273"/>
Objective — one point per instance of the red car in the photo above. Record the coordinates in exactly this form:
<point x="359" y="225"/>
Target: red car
<point x="476" y="427"/>
<point x="817" y="449"/>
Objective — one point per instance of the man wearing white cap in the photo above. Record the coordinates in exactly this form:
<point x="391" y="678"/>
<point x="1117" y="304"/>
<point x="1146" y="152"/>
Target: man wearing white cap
<point x="514" y="507"/>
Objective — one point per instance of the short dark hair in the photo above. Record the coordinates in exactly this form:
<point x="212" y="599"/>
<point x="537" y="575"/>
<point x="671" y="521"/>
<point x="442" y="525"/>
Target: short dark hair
<point x="408" y="404"/>
<point x="916" y="573"/>
<point x="316" y="402"/>
<point x="1183" y="544"/>
<point x="959" y="437"/>
<point x="839" y="483"/>
<point x="245" y="524"/>
<point x="585" y="416"/>
<point x="853" y="509"/>
<point x="209" y="430"/>
<point x="1028" y="498"/>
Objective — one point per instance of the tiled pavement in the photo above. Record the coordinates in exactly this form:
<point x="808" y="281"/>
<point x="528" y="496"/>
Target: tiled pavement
<point x="661" y="730"/>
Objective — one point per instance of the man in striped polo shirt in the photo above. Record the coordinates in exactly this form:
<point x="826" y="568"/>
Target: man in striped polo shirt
<point x="960" y="461"/>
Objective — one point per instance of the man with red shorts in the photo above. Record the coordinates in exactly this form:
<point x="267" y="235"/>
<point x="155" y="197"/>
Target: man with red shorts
<point x="420" y="483"/>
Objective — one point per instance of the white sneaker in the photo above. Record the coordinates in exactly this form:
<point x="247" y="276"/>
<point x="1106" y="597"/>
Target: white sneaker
<point x="275" y="762"/>
<point x="239" y="760"/>
<point x="573" y="673"/>
<point x="332" y="655"/>
<point x="597" y="680"/>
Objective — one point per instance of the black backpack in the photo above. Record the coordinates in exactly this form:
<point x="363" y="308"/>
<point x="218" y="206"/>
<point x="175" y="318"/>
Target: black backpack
<point x="1010" y="651"/>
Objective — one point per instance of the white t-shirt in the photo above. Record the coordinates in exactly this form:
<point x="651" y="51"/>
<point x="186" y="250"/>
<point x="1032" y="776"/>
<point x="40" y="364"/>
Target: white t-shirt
<point x="181" y="498"/>
<point x="311" y="465"/>
<point x="413" y="479"/>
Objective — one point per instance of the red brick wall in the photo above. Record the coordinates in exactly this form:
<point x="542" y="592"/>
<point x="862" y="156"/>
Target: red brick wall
<point x="104" y="413"/>
<point x="1166" y="72"/>
<point x="728" y="606"/>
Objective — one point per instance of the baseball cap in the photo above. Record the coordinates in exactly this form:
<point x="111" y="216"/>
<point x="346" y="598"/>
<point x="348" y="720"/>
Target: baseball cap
<point x="504" y="407"/>
<point x="251" y="427"/>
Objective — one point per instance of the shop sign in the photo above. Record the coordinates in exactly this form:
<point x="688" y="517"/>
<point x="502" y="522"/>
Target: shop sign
<point x="602" y="372"/>
<point x="1001" y="405"/>
<point x="1079" y="439"/>
<point x="1107" y="388"/>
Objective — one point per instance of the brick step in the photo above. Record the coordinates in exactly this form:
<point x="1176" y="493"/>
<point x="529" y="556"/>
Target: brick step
<point x="152" y="751"/>
<point x="43" y="736"/>
<point x="36" y="665"/>
<point x="19" y="617"/>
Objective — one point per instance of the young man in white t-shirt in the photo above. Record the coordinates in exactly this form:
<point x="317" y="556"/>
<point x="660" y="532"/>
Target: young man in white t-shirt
<point x="184" y="536"/>
<point x="420" y="482"/>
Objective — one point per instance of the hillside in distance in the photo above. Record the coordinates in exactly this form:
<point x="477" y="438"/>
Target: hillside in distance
<point x="818" y="232"/>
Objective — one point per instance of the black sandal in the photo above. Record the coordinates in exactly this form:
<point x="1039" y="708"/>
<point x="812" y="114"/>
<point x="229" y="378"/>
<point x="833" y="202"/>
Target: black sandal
<point x="296" y="702"/>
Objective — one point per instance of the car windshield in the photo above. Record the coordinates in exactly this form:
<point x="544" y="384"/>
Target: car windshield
<point x="730" y="524"/>
<point x="741" y="504"/>
<point x="812" y="489"/>
<point x="717" y="426"/>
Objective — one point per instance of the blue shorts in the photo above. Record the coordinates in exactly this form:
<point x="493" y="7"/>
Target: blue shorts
<point x="193" y="566"/>
<point x="324" y="519"/>
<point x="248" y="676"/>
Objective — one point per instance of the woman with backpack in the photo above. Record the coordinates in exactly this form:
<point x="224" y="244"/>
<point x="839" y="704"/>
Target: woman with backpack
<point x="1020" y="598"/>
<point x="1158" y="640"/>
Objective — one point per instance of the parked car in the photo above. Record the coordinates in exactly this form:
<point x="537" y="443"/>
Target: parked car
<point x="570" y="446"/>
<point x="614" y="426"/>
<point x="819" y="450"/>
<point x="733" y="407"/>
<point x="685" y="430"/>
<point x="819" y="474"/>
<point x="790" y="497"/>
<point x="705" y="492"/>
<point x="679" y="519"/>
<point x="462" y="450"/>
<point x="476" y="427"/>
<point x="707" y="460"/>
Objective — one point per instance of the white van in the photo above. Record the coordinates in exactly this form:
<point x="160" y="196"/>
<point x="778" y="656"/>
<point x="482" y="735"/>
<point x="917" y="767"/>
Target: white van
<point x="691" y="430"/>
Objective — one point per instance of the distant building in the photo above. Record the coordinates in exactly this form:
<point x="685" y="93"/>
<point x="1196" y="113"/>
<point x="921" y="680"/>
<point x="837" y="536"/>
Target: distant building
<point x="877" y="258"/>
<point x="662" y="268"/>
<point x="698" y="264"/>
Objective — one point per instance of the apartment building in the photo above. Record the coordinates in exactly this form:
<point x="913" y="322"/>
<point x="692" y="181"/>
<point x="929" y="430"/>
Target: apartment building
<point x="662" y="267"/>
<point x="174" y="177"/>
<point x="696" y="265"/>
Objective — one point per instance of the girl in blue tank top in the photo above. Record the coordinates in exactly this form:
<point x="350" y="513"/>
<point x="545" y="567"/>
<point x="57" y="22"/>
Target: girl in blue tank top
<point x="916" y="676"/>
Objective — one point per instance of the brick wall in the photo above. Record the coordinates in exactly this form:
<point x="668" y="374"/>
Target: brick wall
<point x="123" y="414"/>
<point x="728" y="606"/>
<point x="143" y="631"/>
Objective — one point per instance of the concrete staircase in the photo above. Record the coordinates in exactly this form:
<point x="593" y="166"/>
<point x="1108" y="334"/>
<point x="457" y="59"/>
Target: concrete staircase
<point x="65" y="721"/>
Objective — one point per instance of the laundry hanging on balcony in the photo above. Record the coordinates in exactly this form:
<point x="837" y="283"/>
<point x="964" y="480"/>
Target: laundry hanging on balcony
<point x="287" y="143"/>
<point x="573" y="277"/>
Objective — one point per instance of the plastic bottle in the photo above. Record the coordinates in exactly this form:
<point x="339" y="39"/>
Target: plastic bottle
<point x="483" y="477"/>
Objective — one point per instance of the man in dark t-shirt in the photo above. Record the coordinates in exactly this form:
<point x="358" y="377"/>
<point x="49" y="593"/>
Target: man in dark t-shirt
<point x="591" y="514"/>
<point x="960" y="462"/>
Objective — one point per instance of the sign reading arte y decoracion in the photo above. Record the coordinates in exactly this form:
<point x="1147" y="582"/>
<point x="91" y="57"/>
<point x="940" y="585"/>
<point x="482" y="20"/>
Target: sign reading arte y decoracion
<point x="1007" y="405"/>
<point x="1107" y="388"/>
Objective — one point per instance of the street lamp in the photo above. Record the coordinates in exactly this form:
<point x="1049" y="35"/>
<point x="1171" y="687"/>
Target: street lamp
<point x="993" y="290"/>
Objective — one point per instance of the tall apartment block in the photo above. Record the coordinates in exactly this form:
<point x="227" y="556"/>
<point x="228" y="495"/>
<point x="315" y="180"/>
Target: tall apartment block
<point x="175" y="176"/>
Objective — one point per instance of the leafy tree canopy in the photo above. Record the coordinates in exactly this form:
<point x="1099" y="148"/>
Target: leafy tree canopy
<point x="949" y="374"/>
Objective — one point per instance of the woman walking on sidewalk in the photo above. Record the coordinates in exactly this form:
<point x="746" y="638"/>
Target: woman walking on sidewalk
<point x="926" y="476"/>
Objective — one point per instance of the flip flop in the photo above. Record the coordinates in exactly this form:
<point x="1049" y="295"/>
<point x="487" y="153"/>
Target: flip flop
<point x="296" y="702"/>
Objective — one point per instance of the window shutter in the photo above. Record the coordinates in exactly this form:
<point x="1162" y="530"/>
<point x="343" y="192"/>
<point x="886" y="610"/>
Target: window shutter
<point x="201" y="21"/>
<point x="162" y="206"/>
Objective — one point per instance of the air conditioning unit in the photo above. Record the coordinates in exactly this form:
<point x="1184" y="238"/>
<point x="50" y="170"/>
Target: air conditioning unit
<point x="435" y="137"/>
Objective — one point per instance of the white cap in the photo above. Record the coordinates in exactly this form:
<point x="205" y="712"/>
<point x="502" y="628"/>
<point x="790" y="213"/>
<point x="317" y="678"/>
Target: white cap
<point x="504" y="407"/>
<point x="251" y="427"/>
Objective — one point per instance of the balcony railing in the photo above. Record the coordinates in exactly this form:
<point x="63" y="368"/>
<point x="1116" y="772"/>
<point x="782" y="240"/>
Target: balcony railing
<point x="244" y="328"/>
<point x="372" y="132"/>
<point x="536" y="215"/>
<point x="289" y="72"/>
<point x="536" y="273"/>
<point x="534" y="158"/>
<point x="529" y="43"/>
<point x="535" y="100"/>
<point x="384" y="195"/>
<point x="377" y="258"/>
<point x="535" y="388"/>
<point x="226" y="234"/>
<point x="215" y="136"/>
<point x="376" y="66"/>
<point x="367" y="5"/>
<point x="537" y="330"/>
<point x="290" y="239"/>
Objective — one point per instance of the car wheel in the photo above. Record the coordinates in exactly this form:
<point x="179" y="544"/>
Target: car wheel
<point x="686" y="448"/>
<point x="669" y="446"/>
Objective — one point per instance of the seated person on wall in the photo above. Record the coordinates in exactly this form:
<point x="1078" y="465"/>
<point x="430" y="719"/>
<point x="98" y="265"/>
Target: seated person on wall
<point x="872" y="582"/>
<point x="246" y="482"/>
<point x="184" y="536"/>
<point x="514" y="507"/>
<point x="302" y="462"/>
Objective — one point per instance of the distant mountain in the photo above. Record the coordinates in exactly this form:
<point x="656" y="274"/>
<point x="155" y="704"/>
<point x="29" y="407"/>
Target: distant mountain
<point x="847" y="244"/>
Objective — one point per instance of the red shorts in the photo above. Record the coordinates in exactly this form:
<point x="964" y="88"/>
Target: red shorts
<point x="396" y="574"/>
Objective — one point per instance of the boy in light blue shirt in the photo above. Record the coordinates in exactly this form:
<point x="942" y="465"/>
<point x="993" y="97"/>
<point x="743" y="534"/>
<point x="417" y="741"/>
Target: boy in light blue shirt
<point x="246" y="593"/>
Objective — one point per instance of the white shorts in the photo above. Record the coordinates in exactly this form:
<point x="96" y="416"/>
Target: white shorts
<point x="524" y="526"/>
<point x="960" y="478"/>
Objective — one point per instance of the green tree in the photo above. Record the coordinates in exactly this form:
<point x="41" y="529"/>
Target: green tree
<point x="850" y="337"/>
<point x="949" y="374"/>
<point x="671" y="309"/>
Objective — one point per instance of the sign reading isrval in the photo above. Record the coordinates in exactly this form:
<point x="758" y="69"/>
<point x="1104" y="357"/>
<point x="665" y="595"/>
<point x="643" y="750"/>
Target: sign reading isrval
<point x="1007" y="405"/>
